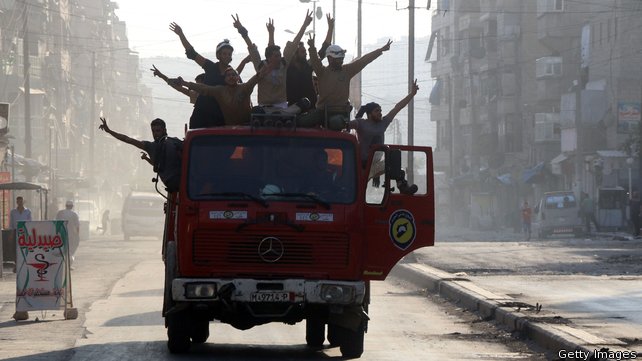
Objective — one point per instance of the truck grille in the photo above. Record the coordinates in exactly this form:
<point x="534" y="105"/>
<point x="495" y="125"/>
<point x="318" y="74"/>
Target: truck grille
<point x="322" y="250"/>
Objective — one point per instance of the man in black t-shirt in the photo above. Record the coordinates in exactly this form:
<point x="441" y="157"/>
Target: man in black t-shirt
<point x="164" y="152"/>
<point x="207" y="112"/>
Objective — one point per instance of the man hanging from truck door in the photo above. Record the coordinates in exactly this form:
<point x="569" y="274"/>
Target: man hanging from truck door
<point x="371" y="131"/>
<point x="164" y="151"/>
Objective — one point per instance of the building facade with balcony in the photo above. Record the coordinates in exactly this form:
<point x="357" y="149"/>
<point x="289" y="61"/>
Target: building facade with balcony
<point x="79" y="68"/>
<point x="542" y="95"/>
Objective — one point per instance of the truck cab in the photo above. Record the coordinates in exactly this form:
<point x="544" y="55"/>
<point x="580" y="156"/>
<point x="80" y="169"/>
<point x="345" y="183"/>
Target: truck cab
<point x="284" y="225"/>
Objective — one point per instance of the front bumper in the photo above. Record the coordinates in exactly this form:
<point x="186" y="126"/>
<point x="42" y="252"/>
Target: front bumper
<point x="326" y="292"/>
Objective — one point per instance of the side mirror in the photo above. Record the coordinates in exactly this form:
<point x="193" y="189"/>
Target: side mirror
<point x="393" y="164"/>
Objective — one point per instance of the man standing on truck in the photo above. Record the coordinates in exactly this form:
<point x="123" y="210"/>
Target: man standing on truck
<point x="334" y="84"/>
<point x="271" y="89"/>
<point x="233" y="97"/>
<point x="164" y="151"/>
<point x="207" y="112"/>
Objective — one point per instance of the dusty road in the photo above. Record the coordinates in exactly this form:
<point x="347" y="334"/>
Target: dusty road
<point x="594" y="283"/>
<point x="118" y="290"/>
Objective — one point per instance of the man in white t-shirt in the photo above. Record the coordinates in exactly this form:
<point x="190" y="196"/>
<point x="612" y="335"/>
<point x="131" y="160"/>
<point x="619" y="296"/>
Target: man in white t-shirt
<point x="20" y="213"/>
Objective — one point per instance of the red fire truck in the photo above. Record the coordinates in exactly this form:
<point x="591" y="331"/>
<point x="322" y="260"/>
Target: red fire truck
<point x="284" y="225"/>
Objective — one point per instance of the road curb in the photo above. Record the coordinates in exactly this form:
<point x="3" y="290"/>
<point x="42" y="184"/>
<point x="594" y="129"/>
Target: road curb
<point x="554" y="337"/>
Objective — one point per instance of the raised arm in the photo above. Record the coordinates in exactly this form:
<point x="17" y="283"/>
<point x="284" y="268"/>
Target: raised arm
<point x="204" y="89"/>
<point x="270" y="28"/>
<point x="328" y="36"/>
<point x="189" y="49"/>
<point x="241" y="66"/>
<point x="122" y="137"/>
<point x="403" y="102"/>
<point x="306" y="22"/>
<point x="315" y="62"/>
<point x="165" y="78"/>
<point x="358" y="65"/>
<point x="254" y="53"/>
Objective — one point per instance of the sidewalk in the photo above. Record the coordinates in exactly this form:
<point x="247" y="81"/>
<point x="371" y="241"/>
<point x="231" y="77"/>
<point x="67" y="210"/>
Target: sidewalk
<point x="584" y="313"/>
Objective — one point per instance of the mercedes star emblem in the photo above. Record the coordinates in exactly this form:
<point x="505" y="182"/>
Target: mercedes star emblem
<point x="271" y="249"/>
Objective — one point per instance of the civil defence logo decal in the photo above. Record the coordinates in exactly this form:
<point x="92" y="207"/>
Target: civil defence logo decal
<point x="402" y="228"/>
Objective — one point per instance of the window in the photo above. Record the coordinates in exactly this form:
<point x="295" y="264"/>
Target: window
<point x="272" y="168"/>
<point x="547" y="6"/>
<point x="445" y="41"/>
<point x="548" y="66"/>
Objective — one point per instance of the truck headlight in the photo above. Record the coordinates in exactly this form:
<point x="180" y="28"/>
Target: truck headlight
<point x="200" y="290"/>
<point x="337" y="293"/>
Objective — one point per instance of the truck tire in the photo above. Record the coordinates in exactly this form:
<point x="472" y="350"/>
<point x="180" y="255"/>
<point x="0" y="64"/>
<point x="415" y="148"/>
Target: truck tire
<point x="314" y="332"/>
<point x="333" y="335"/>
<point x="178" y="338"/>
<point x="200" y="330"/>
<point x="351" y="342"/>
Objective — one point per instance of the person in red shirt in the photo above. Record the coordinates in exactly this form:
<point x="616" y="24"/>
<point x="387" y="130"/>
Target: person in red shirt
<point x="526" y="220"/>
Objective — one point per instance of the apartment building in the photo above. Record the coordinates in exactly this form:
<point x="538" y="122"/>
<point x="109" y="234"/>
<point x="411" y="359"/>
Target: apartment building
<point x="508" y="77"/>
<point x="79" y="67"/>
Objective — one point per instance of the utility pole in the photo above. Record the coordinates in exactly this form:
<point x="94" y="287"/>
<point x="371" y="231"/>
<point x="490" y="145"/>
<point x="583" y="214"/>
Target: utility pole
<point x="411" y="80"/>
<point x="90" y="166"/>
<point x="334" y="14"/>
<point x="27" y="84"/>
<point x="359" y="45"/>
<point x="640" y="143"/>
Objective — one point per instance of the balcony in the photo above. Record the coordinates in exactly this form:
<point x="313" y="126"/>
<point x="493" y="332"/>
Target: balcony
<point x="553" y="30"/>
<point x="549" y="90"/>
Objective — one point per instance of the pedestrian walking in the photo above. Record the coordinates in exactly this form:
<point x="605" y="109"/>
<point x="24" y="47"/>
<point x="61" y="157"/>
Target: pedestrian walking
<point x="634" y="212"/>
<point x="73" y="228"/>
<point x="587" y="211"/>
<point x="105" y="221"/>
<point x="527" y="212"/>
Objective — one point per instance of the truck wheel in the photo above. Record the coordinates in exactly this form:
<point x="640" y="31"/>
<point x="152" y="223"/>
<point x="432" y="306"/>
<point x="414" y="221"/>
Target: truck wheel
<point x="351" y="342"/>
<point x="314" y="332"/>
<point x="178" y="340"/>
<point x="200" y="330"/>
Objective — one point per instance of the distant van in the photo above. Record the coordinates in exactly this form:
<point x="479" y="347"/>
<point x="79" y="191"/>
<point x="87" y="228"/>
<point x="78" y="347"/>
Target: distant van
<point x="558" y="213"/>
<point x="143" y="215"/>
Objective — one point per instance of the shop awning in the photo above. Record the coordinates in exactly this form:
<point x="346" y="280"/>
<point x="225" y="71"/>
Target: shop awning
<point x="505" y="179"/>
<point x="530" y="175"/>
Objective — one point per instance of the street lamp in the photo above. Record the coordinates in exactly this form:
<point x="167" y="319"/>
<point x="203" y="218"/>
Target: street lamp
<point x="316" y="13"/>
<point x="629" y="162"/>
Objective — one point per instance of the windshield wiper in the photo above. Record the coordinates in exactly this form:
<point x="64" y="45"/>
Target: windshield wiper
<point x="309" y="196"/>
<point x="237" y="194"/>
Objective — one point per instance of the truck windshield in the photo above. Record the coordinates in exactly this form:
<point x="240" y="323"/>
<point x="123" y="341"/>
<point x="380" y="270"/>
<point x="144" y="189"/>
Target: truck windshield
<point x="272" y="169"/>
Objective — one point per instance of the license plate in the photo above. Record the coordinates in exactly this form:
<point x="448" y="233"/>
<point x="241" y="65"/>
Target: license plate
<point x="270" y="297"/>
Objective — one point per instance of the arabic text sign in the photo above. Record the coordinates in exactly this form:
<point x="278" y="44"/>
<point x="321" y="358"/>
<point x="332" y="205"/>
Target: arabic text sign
<point x="628" y="116"/>
<point x="41" y="256"/>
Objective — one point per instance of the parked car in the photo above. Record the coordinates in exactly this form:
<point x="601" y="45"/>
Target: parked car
<point x="143" y="215"/>
<point x="558" y="213"/>
<point x="88" y="215"/>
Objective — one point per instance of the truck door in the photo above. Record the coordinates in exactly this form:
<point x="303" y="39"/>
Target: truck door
<point x="397" y="221"/>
